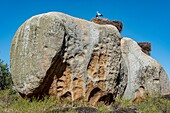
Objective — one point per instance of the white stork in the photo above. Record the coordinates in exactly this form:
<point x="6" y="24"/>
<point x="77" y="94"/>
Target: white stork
<point x="99" y="14"/>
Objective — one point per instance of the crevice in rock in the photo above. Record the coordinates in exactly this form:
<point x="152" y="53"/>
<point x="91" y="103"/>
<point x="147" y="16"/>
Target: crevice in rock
<point x="59" y="80"/>
<point x="118" y="80"/>
<point x="107" y="99"/>
<point x="93" y="92"/>
<point x="66" y="95"/>
<point x="160" y="71"/>
<point x="59" y="87"/>
<point x="75" y="79"/>
<point x="45" y="46"/>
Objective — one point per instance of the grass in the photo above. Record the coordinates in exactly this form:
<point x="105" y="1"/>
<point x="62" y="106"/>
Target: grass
<point x="148" y="105"/>
<point x="154" y="105"/>
<point x="123" y="102"/>
<point x="102" y="108"/>
<point x="11" y="102"/>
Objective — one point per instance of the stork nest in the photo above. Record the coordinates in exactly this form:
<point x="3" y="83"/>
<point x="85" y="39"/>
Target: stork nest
<point x="104" y="21"/>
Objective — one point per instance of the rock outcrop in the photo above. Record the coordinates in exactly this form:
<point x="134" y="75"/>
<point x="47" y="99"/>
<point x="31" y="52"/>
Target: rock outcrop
<point x="59" y="55"/>
<point x="142" y="70"/>
<point x="56" y="54"/>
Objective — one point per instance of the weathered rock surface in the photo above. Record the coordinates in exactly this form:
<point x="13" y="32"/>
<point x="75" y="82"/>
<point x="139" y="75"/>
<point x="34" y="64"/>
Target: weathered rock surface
<point x="56" y="54"/>
<point x="59" y="55"/>
<point x="146" y="46"/>
<point x="142" y="70"/>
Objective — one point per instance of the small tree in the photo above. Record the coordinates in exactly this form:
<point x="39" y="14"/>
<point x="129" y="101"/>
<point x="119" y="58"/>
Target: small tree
<point x="5" y="76"/>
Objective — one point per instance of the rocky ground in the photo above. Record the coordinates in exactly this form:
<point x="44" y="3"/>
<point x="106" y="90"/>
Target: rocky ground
<point x="131" y="109"/>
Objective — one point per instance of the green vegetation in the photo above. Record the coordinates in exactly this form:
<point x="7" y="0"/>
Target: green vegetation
<point x="123" y="102"/>
<point x="5" y="76"/>
<point x="148" y="105"/>
<point x="102" y="108"/>
<point x="154" y="105"/>
<point x="11" y="102"/>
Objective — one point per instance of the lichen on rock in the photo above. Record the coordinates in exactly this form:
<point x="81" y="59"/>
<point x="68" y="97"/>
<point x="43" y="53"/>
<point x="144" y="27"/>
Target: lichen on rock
<point x="59" y="55"/>
<point x="142" y="70"/>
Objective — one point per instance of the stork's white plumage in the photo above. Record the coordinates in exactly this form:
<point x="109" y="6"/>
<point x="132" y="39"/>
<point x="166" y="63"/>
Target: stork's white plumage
<point x="99" y="14"/>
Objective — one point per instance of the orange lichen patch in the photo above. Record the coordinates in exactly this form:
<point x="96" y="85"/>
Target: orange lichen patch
<point x="137" y="99"/>
<point x="102" y="62"/>
<point x="101" y="72"/>
<point x="77" y="88"/>
<point x="139" y="95"/>
<point x="77" y="93"/>
<point x="101" y="84"/>
<point x="67" y="78"/>
<point x="97" y="63"/>
<point x="63" y="83"/>
<point x="89" y="89"/>
<point x="53" y="88"/>
<point x="93" y="65"/>
<point x="60" y="85"/>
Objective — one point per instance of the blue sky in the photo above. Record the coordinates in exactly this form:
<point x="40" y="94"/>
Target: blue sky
<point x="144" y="20"/>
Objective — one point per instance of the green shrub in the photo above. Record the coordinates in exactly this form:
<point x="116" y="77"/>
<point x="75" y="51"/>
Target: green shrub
<point x="13" y="103"/>
<point x="5" y="76"/>
<point x="154" y="105"/>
